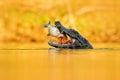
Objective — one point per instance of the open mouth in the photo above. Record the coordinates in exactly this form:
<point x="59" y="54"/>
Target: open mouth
<point x="69" y="42"/>
<point x="75" y="41"/>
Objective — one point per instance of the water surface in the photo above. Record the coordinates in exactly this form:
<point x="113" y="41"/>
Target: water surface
<point x="31" y="62"/>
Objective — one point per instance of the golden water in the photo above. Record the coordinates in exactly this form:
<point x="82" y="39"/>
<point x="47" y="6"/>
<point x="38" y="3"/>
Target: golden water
<point x="27" y="63"/>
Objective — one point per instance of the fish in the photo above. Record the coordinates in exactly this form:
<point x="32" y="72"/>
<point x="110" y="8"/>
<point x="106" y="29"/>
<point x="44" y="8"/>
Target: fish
<point x="54" y="32"/>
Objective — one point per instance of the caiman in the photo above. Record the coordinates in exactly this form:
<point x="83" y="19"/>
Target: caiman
<point x="77" y="41"/>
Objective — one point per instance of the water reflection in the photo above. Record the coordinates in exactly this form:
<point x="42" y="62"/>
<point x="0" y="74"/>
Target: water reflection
<point x="60" y="64"/>
<point x="100" y="64"/>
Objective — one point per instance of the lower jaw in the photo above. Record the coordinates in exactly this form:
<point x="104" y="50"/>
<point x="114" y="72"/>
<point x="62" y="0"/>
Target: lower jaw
<point x="67" y="43"/>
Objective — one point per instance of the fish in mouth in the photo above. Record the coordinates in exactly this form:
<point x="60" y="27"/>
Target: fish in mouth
<point x="76" y="40"/>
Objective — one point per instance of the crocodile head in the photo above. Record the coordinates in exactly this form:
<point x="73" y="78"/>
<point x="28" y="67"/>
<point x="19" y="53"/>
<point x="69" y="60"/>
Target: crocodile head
<point x="76" y="41"/>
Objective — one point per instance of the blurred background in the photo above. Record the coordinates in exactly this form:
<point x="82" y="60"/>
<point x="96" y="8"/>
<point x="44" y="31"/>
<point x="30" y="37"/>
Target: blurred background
<point x="22" y="21"/>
